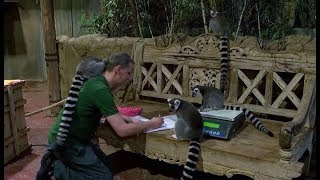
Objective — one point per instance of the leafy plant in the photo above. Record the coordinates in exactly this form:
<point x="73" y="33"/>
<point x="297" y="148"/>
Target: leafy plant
<point x="266" y="19"/>
<point x="115" y="20"/>
<point x="87" y="22"/>
<point x="305" y="12"/>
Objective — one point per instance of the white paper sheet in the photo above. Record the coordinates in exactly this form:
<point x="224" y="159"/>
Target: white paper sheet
<point x="169" y="122"/>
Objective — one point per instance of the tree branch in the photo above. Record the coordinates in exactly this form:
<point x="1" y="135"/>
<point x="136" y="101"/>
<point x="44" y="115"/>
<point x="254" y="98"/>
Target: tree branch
<point x="134" y="18"/>
<point x="204" y="17"/>
<point x="244" y="7"/>
<point x="259" y="28"/>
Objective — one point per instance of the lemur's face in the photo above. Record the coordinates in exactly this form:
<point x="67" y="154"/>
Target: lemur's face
<point x="173" y="104"/>
<point x="195" y="91"/>
<point x="214" y="13"/>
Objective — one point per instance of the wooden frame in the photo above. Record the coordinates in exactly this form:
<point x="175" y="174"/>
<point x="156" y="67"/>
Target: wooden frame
<point x="278" y="85"/>
<point x="51" y="53"/>
<point x="15" y="130"/>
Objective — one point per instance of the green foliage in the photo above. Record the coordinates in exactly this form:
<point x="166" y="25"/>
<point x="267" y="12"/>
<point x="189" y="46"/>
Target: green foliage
<point x="273" y="20"/>
<point x="155" y="17"/>
<point x="159" y="13"/>
<point x="188" y="17"/>
<point x="115" y="21"/>
<point x="87" y="22"/>
<point x="305" y="10"/>
<point x="274" y="16"/>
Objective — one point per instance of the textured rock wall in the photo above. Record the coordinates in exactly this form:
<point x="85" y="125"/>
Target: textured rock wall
<point x="73" y="50"/>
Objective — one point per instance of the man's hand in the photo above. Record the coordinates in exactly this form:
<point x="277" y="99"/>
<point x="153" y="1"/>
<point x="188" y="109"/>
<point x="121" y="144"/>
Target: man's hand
<point x="136" y="120"/>
<point x="127" y="119"/>
<point x="153" y="123"/>
<point x="156" y="122"/>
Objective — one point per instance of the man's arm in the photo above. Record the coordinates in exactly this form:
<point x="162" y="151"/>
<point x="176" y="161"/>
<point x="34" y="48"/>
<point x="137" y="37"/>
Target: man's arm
<point x="127" y="119"/>
<point x="124" y="129"/>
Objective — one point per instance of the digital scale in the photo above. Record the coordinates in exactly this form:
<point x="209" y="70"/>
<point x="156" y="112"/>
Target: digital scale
<point x="222" y="123"/>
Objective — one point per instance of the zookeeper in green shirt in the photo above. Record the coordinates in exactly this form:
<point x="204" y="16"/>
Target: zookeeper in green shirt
<point x="94" y="101"/>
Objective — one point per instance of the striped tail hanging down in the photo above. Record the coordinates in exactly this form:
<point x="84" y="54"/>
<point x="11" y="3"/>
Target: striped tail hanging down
<point x="69" y="109"/>
<point x="253" y="119"/>
<point x="224" y="61"/>
<point x="193" y="156"/>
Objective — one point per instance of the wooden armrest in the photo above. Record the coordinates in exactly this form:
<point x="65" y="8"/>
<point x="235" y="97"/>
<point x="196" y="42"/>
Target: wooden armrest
<point x="292" y="128"/>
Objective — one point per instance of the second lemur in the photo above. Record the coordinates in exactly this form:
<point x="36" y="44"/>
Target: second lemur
<point x="218" y="24"/>
<point x="188" y="126"/>
<point x="212" y="99"/>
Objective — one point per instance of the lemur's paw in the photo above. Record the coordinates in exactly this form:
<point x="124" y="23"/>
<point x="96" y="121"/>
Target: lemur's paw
<point x="174" y="136"/>
<point x="206" y="109"/>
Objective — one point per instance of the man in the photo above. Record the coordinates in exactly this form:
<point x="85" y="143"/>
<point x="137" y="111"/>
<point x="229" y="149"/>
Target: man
<point x="95" y="100"/>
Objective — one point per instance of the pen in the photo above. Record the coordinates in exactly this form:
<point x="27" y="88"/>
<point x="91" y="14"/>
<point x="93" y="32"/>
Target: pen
<point x="164" y="124"/>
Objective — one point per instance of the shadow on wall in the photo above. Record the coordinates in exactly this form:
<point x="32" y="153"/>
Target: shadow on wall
<point x="13" y="36"/>
<point x="23" y="41"/>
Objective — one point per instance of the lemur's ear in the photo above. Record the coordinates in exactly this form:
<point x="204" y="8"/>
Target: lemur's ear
<point x="168" y="100"/>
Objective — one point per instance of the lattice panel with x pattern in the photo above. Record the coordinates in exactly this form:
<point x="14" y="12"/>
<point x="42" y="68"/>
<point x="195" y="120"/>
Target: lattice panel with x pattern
<point x="286" y="91"/>
<point x="289" y="89"/>
<point x="204" y="77"/>
<point x="164" y="79"/>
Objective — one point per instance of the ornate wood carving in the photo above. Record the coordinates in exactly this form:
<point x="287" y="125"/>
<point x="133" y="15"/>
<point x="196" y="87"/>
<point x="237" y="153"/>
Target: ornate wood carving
<point x="229" y="173"/>
<point x="155" y="72"/>
<point x="203" y="76"/>
<point x="204" y="44"/>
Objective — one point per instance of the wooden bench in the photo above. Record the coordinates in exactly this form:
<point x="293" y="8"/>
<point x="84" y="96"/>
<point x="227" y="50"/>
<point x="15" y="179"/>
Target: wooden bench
<point x="278" y="87"/>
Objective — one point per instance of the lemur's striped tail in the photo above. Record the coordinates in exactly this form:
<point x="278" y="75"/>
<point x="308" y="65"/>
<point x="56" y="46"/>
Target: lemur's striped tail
<point x="69" y="109"/>
<point x="190" y="166"/>
<point x="254" y="120"/>
<point x="224" y="61"/>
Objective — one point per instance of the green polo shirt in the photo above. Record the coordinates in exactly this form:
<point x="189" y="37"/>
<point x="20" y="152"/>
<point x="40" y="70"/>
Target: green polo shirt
<point x="95" y="99"/>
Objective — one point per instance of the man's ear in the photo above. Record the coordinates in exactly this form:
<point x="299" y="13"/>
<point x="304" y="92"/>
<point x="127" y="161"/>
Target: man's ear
<point x="117" y="69"/>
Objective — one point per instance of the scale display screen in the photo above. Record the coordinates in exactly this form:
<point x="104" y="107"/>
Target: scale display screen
<point x="211" y="125"/>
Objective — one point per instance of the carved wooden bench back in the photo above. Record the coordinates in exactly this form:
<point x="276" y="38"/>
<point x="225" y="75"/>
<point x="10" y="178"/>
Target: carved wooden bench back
<point x="269" y="83"/>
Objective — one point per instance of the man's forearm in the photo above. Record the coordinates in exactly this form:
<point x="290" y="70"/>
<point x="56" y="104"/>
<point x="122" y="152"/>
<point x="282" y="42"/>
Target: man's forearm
<point x="131" y="129"/>
<point x="124" y="129"/>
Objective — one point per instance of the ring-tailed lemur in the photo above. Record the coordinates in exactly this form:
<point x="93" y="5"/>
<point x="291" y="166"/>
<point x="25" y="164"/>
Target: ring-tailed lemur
<point x="188" y="126"/>
<point x="86" y="69"/>
<point x="212" y="99"/>
<point x="218" y="24"/>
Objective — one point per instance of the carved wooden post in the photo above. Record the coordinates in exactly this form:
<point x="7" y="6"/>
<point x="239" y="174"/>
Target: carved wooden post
<point x="51" y="54"/>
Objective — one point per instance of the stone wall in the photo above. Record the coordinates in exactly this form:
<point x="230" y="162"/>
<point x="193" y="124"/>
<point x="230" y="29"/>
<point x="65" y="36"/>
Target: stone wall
<point x="73" y="50"/>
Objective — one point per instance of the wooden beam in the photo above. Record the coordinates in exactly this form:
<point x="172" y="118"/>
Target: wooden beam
<point x="51" y="54"/>
<point x="13" y="121"/>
